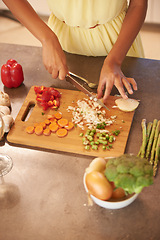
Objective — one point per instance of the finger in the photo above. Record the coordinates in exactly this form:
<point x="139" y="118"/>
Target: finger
<point x="120" y="88"/>
<point x="127" y="85"/>
<point x="49" y="69"/>
<point x="107" y="92"/>
<point x="133" y="82"/>
<point x="100" y="90"/>
<point x="55" y="73"/>
<point x="62" y="73"/>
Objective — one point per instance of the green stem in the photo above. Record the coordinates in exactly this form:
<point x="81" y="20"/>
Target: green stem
<point x="151" y="138"/>
<point x="148" y="131"/>
<point x="157" y="156"/>
<point x="149" y="128"/>
<point x="144" y="141"/>
<point x="153" y="150"/>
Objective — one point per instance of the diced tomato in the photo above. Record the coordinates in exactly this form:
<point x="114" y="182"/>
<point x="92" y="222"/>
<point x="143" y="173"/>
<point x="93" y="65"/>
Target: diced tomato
<point x="44" y="105"/>
<point x="52" y="98"/>
<point x="48" y="97"/>
<point x="39" y="89"/>
<point x="50" y="103"/>
<point x="57" y="102"/>
<point x="55" y="92"/>
<point x="39" y="99"/>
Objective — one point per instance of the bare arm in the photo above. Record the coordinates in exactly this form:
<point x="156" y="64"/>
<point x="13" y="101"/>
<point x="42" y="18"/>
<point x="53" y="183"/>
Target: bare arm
<point x="53" y="55"/>
<point x="111" y="73"/>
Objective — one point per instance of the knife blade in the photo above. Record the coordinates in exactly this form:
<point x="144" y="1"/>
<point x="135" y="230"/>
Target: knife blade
<point x="80" y="87"/>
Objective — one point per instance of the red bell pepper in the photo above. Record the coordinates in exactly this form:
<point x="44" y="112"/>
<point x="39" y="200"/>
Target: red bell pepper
<point x="12" y="74"/>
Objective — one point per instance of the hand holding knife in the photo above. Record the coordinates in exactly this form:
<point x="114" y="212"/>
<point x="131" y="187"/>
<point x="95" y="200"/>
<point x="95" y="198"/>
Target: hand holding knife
<point x="79" y="86"/>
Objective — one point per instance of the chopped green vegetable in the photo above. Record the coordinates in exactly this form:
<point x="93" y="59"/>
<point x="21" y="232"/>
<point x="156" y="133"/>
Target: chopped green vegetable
<point x="94" y="147"/>
<point x="93" y="130"/>
<point x="88" y="132"/>
<point x="116" y="132"/>
<point x="90" y="138"/>
<point x="104" y="147"/>
<point x="81" y="134"/>
<point x="87" y="147"/>
<point x="111" y="139"/>
<point x="101" y="125"/>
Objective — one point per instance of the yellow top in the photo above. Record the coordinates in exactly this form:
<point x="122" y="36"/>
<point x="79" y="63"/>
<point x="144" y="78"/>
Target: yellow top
<point x="89" y="27"/>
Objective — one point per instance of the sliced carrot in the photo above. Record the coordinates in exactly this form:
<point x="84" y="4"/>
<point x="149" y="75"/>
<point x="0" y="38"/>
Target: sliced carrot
<point x="62" y="132"/>
<point x="30" y="129"/>
<point x="62" y="122"/>
<point x="69" y="126"/>
<point x="53" y="121"/>
<point x="38" y="130"/>
<point x="58" y="115"/>
<point x="36" y="124"/>
<point x="50" y="116"/>
<point x="47" y="132"/>
<point x="53" y="127"/>
<point x="42" y="124"/>
<point x="47" y="121"/>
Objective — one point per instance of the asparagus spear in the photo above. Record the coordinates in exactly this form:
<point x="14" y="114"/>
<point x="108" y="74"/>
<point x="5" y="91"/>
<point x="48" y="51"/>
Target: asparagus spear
<point x="151" y="138"/>
<point x="148" y="131"/>
<point x="153" y="150"/>
<point x="149" y="128"/>
<point x="143" y="124"/>
<point x="157" y="156"/>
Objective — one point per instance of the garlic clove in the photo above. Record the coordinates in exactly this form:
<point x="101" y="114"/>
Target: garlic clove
<point x="4" y="99"/>
<point x="4" y="110"/>
<point x="8" y="121"/>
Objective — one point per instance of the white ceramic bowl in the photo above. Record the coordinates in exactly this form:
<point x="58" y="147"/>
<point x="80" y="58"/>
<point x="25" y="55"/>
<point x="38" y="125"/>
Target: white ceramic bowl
<point x="112" y="204"/>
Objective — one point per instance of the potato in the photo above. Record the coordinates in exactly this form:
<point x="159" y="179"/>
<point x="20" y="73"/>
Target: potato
<point x="127" y="105"/>
<point x="98" y="164"/>
<point x="98" y="185"/>
<point x="118" y="193"/>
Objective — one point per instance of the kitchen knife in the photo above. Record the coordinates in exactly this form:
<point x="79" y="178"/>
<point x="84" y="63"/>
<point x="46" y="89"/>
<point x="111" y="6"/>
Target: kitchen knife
<point x="84" y="90"/>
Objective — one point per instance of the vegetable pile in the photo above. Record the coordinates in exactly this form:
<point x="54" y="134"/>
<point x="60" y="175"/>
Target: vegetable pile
<point x="93" y="139"/>
<point x="89" y="114"/>
<point x="54" y="123"/>
<point x="118" y="177"/>
<point x="150" y="148"/>
<point x="48" y="97"/>
<point x="5" y="111"/>
<point x="12" y="74"/>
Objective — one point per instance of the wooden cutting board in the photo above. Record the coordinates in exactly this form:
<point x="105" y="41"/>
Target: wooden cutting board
<point x="72" y="142"/>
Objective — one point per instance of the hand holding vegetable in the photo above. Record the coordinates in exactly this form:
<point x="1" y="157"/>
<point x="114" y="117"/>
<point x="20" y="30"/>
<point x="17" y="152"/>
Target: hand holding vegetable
<point x="12" y="74"/>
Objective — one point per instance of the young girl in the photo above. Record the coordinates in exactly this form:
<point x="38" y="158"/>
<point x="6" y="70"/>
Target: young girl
<point x="88" y="27"/>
